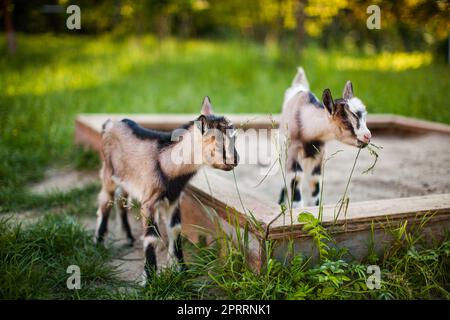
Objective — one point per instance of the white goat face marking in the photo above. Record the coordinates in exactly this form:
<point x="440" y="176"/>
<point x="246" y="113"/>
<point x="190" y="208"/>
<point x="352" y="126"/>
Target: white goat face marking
<point x="358" y="109"/>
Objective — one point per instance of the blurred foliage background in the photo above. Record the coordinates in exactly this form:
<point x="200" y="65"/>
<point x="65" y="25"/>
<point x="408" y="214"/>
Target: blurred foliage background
<point x="164" y="56"/>
<point x="406" y="24"/>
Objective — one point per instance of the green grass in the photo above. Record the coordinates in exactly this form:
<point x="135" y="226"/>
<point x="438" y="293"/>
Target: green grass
<point x="34" y="259"/>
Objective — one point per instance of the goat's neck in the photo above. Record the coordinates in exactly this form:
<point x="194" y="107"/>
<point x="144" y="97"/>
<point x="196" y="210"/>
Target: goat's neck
<point x="316" y="124"/>
<point x="178" y="159"/>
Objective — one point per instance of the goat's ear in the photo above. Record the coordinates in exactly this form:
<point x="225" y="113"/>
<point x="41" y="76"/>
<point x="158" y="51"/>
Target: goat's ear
<point x="348" y="91"/>
<point x="328" y="101"/>
<point x="206" y="107"/>
<point x="202" y="123"/>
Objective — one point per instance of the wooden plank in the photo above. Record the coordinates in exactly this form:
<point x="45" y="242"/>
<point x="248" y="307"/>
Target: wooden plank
<point x="399" y="207"/>
<point x="221" y="194"/>
<point x="353" y="233"/>
<point x="257" y="121"/>
<point x="418" y="125"/>
<point x="200" y="221"/>
<point x="87" y="134"/>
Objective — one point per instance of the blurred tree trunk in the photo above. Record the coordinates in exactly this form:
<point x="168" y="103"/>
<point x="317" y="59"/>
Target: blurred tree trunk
<point x="272" y="32"/>
<point x="117" y="18"/>
<point x="163" y="25"/>
<point x="9" y="28"/>
<point x="185" y="23"/>
<point x="300" y="31"/>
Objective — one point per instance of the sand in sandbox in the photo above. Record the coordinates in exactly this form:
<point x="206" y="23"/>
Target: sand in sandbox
<point x="408" y="165"/>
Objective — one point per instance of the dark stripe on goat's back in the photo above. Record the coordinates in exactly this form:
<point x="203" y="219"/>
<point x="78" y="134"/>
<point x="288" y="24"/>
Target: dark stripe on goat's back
<point x="161" y="137"/>
<point x="312" y="148"/>
<point x="144" y="133"/>
<point x="314" y="101"/>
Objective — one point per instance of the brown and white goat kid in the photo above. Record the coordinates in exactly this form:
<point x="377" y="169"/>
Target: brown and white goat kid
<point x="153" y="167"/>
<point x="307" y="124"/>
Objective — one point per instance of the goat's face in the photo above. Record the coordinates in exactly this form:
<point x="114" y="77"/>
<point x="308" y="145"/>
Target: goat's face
<point x="218" y="139"/>
<point x="348" y="115"/>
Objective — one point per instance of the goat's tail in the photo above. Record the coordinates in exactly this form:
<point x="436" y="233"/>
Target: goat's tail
<point x="107" y="125"/>
<point x="300" y="78"/>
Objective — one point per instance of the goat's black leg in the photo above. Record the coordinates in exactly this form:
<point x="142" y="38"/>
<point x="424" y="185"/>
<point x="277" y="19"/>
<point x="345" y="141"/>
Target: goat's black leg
<point x="151" y="237"/>
<point x="291" y="195"/>
<point x="152" y="240"/>
<point x="295" y="192"/>
<point x="105" y="203"/>
<point x="123" y="206"/>
<point x="174" y="233"/>
<point x="311" y="185"/>
<point x="179" y="253"/>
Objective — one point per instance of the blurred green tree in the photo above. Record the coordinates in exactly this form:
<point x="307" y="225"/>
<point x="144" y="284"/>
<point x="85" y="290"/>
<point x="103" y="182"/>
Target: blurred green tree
<point x="405" y="24"/>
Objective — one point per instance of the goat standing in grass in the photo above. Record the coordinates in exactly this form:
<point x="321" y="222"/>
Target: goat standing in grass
<point x="307" y="124"/>
<point x="154" y="167"/>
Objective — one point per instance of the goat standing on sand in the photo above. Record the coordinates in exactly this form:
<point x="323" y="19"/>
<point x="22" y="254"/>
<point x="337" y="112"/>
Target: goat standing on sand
<point x="145" y="165"/>
<point x="308" y="124"/>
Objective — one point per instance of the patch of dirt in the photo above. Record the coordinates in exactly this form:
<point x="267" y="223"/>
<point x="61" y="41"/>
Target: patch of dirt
<point x="23" y="217"/>
<point x="63" y="180"/>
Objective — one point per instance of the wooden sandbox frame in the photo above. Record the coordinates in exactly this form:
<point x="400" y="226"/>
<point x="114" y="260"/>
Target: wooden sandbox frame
<point x="364" y="222"/>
